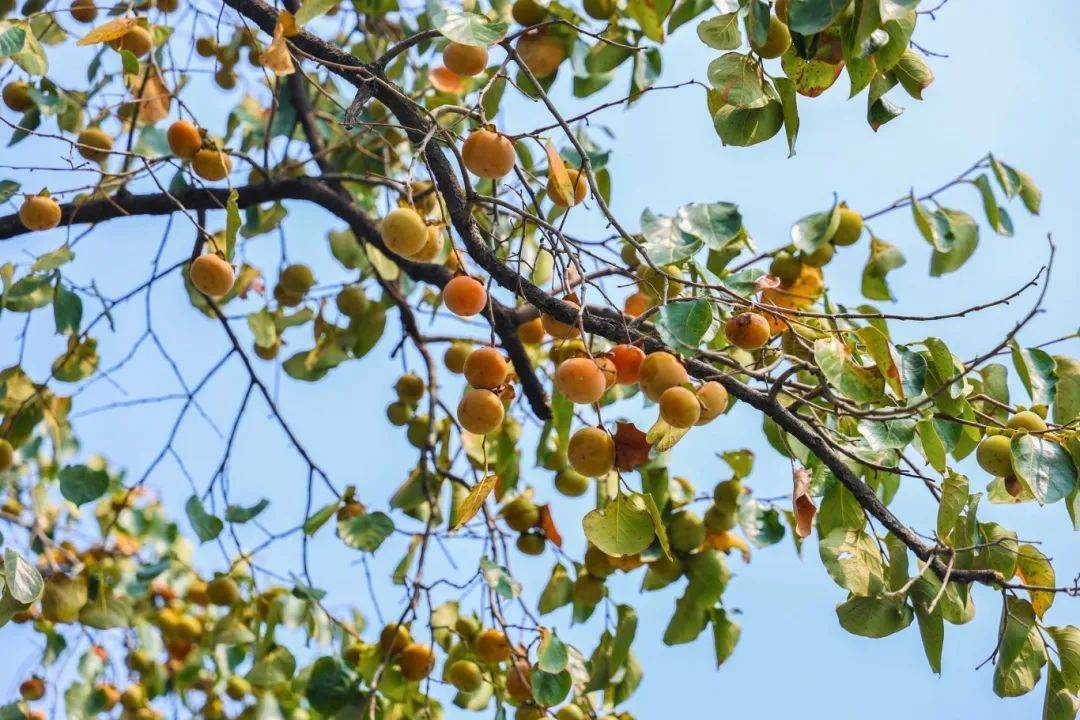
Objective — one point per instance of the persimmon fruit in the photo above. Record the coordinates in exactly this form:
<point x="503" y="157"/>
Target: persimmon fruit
<point x="464" y="296"/>
<point x="212" y="274"/>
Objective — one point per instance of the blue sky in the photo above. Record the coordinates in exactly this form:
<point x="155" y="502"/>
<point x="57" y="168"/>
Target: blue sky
<point x="1005" y="87"/>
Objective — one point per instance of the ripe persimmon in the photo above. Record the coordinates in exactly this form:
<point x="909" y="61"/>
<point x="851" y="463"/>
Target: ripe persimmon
<point x="580" y="380"/>
<point x="465" y="60"/>
<point x="557" y="328"/>
<point x="627" y="360"/>
<point x="488" y="154"/>
<point x="184" y="139"/>
<point x="212" y="274"/>
<point x="39" y="212"/>
<point x="541" y="53"/>
<point x="486" y="368"/>
<point x="713" y="398"/>
<point x="404" y="231"/>
<point x="660" y="371"/>
<point x="464" y="296"/>
<point x="96" y="143"/>
<point x="591" y="452"/>
<point x="679" y="407"/>
<point x="480" y="411"/>
<point x="532" y="332"/>
<point x="84" y="11"/>
<point x="748" y="330"/>
<point x="211" y="165"/>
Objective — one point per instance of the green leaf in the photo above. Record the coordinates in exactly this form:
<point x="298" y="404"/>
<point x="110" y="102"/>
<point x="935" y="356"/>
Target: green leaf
<point x="1044" y="466"/>
<point x="854" y="381"/>
<point x="738" y="82"/>
<point x="888" y="434"/>
<point x="67" y="310"/>
<point x="1036" y="370"/>
<point x="549" y="688"/>
<point x="873" y="617"/>
<point x="241" y="514"/>
<point x="789" y="102"/>
<point x="932" y="632"/>
<point x="310" y="10"/>
<point x="1066" y="389"/>
<point x="1067" y="641"/>
<point x="471" y="29"/>
<point x="1000" y="551"/>
<point x="813" y="231"/>
<point x="760" y="523"/>
<point x="1029" y="192"/>
<point x="960" y="237"/>
<point x="23" y="581"/>
<point x="275" y="667"/>
<point x="892" y="9"/>
<point x="53" y="259"/>
<point x="232" y="224"/>
<point x="839" y="510"/>
<point x="129" y="62"/>
<point x="332" y="684"/>
<point x="883" y="258"/>
<point x="914" y="73"/>
<point x="558" y="592"/>
<point x="808" y="17"/>
<point x="995" y="215"/>
<point x="316" y="521"/>
<point x="1021" y="653"/>
<point x="8" y="188"/>
<point x="716" y="224"/>
<point x="685" y="325"/>
<point x="80" y="484"/>
<point x="721" y="32"/>
<point x="745" y="127"/>
<point x="665" y="243"/>
<point x="206" y="526"/>
<point x="1059" y="703"/>
<point x="29" y="293"/>
<point x="622" y="527"/>
<point x="853" y="560"/>
<point x="879" y="109"/>
<point x="12" y="37"/>
<point x="954" y="498"/>
<point x="499" y="579"/>
<point x="725" y="635"/>
<point x="365" y="532"/>
<point x="551" y="655"/>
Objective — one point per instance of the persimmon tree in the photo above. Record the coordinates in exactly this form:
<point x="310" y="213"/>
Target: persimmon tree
<point x="452" y="230"/>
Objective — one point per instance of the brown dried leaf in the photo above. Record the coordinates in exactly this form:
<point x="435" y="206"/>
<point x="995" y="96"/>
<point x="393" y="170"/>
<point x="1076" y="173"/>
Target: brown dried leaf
<point x="472" y="502"/>
<point x="631" y="446"/>
<point x="547" y="526"/>
<point x="801" y="502"/>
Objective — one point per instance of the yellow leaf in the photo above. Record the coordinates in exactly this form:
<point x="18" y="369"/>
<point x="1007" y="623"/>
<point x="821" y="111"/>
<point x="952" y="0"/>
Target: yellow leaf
<point x="472" y="503"/>
<point x="559" y="185"/>
<point x="277" y="57"/>
<point x="115" y="28"/>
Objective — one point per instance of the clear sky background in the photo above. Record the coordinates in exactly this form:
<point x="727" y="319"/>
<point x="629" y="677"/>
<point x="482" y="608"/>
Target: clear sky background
<point x="1006" y="87"/>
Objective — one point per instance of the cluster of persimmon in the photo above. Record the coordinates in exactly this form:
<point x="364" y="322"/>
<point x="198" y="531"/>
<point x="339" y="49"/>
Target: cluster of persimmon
<point x="539" y="49"/>
<point x="479" y="655"/>
<point x="994" y="453"/>
<point x="228" y="55"/>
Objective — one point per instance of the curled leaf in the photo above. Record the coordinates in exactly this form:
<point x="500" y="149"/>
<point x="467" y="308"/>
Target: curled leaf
<point x="631" y="446"/>
<point x="472" y="503"/>
<point x="802" y="504"/>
